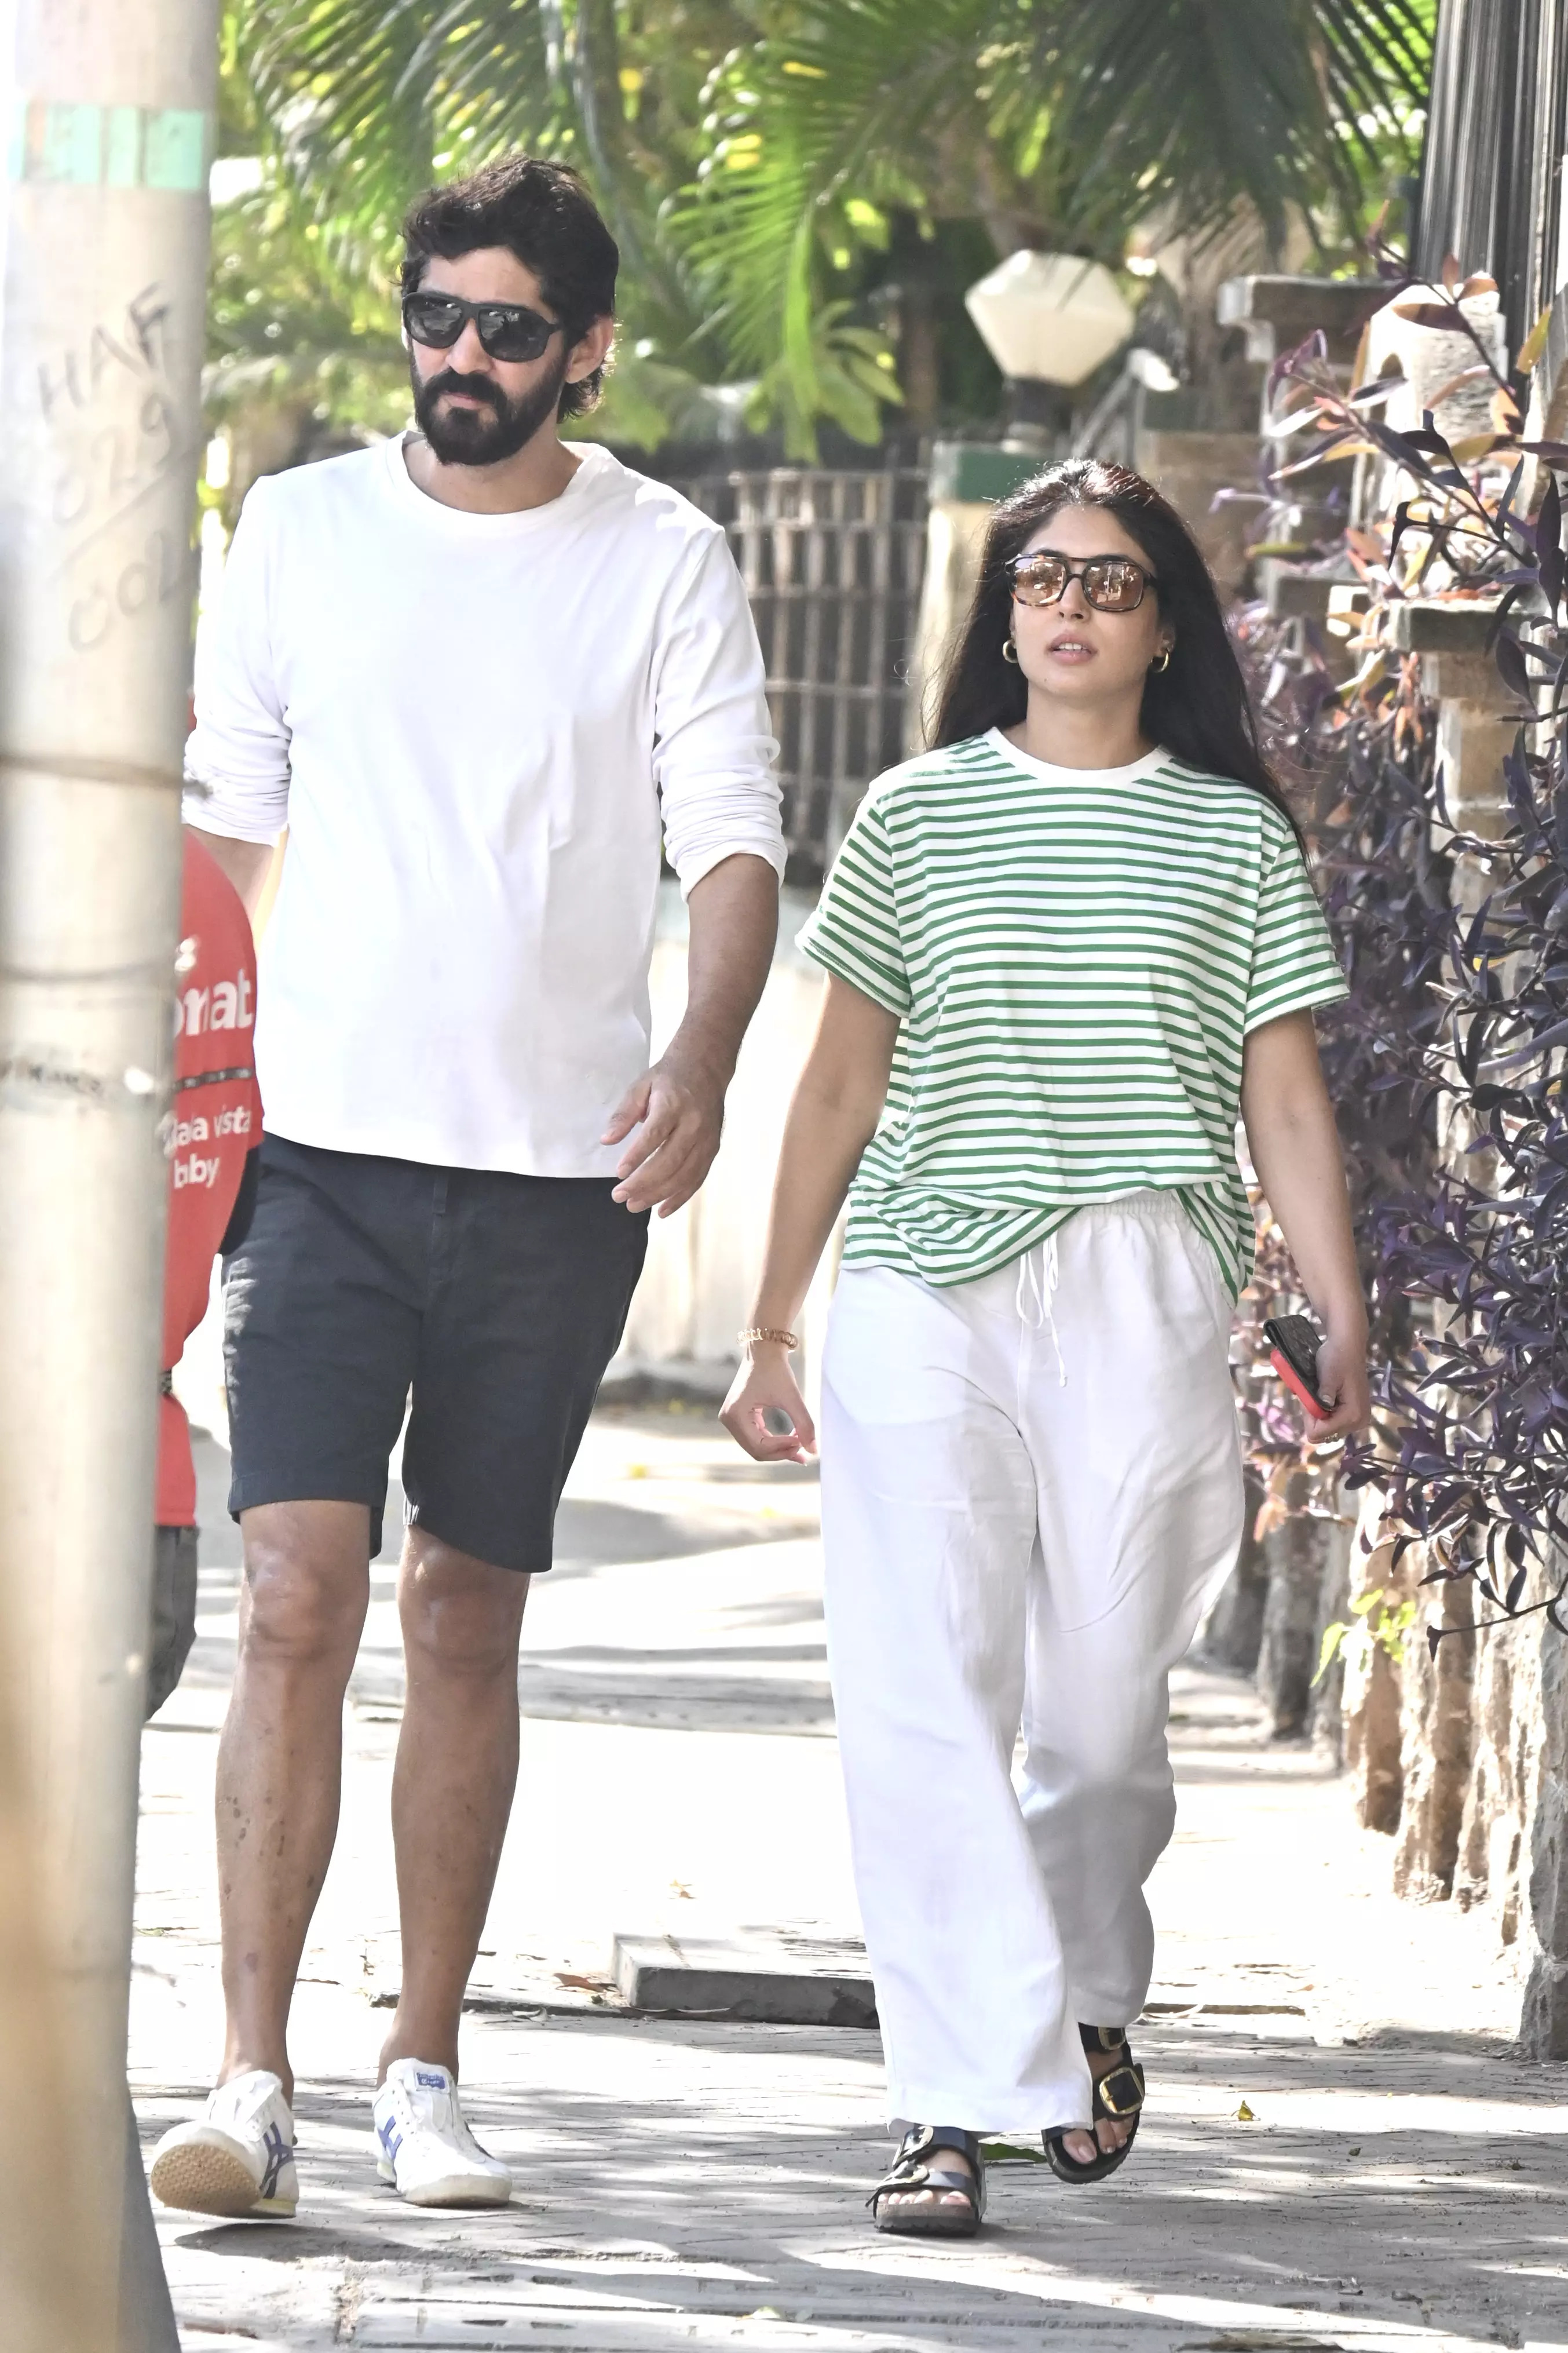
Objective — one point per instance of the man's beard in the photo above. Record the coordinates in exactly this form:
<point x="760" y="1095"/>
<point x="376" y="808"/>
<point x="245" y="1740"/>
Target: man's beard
<point x="487" y="435"/>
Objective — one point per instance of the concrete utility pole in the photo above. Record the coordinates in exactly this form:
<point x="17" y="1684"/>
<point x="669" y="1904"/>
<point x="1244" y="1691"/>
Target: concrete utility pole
<point x="110" y="141"/>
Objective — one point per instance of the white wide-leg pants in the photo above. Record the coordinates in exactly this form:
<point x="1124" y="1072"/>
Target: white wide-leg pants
<point x="1030" y="1486"/>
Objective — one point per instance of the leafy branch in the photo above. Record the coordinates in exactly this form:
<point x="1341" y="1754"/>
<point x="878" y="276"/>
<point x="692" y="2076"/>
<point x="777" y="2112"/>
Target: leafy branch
<point x="1385" y="1619"/>
<point x="1448" y="1063"/>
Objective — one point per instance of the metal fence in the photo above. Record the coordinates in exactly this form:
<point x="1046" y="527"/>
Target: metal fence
<point x="833" y="564"/>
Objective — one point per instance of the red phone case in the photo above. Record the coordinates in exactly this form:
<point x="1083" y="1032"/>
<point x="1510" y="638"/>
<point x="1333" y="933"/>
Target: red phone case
<point x="1292" y="1380"/>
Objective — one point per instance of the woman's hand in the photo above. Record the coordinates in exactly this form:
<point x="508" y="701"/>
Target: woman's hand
<point x="1343" y="1384"/>
<point x="832" y="1118"/>
<point x="763" y="1385"/>
<point x="1295" y="1149"/>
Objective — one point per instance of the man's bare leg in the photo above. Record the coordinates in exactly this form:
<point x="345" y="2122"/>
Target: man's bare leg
<point x="280" y="1764"/>
<point x="452" y="1787"/>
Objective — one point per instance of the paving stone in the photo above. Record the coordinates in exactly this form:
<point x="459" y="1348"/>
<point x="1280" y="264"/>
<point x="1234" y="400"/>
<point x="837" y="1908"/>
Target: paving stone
<point x="684" y="2181"/>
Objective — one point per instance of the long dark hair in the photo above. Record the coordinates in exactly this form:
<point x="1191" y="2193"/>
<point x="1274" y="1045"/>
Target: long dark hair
<point x="1197" y="707"/>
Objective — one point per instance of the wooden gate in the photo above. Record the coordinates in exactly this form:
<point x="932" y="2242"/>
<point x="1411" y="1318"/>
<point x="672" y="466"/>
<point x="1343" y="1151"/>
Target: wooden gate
<point x="832" y="563"/>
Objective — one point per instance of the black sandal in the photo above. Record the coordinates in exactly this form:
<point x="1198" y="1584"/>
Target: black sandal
<point x="911" y="2172"/>
<point x="1117" y="2093"/>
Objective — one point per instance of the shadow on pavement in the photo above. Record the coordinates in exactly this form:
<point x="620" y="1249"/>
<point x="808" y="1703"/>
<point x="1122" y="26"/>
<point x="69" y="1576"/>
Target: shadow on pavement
<point x="1428" y="2196"/>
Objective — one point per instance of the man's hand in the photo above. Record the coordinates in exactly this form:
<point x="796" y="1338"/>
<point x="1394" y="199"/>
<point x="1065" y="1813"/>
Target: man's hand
<point x="679" y="1111"/>
<point x="678" y="1107"/>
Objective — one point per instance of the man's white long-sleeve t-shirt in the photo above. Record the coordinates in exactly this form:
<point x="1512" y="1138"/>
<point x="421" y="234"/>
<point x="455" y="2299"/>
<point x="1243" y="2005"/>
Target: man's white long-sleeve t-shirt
<point x="472" y="726"/>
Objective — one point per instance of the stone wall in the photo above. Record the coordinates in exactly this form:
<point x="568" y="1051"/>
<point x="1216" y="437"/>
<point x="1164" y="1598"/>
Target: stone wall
<point x="1458" y="1755"/>
<point x="1482" y="1732"/>
<point x="1461" y="1757"/>
<point x="1457" y="1752"/>
<point x="1290" y="1584"/>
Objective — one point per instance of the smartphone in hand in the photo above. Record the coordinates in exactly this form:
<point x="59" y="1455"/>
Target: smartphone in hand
<point x="1293" y="1351"/>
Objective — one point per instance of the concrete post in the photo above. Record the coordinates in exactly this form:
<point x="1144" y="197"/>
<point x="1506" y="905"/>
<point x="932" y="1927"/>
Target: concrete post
<point x="1543" y="2020"/>
<point x="40" y="2288"/>
<point x="104" y="299"/>
<point x="1474" y="708"/>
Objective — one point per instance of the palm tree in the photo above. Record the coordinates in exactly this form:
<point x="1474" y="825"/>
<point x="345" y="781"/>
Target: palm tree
<point x="1053" y="124"/>
<point x="300" y="353"/>
<point x="366" y="102"/>
<point x="753" y="155"/>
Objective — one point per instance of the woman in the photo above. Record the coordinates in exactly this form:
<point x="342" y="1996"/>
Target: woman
<point x="1065" y="948"/>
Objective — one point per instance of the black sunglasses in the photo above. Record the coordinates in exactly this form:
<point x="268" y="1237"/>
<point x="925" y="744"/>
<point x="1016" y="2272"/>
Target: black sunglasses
<point x="508" y="330"/>
<point x="1112" y="583"/>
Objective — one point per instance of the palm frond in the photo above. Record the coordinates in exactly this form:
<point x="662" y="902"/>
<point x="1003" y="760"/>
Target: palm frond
<point x="743" y="203"/>
<point x="1199" y="102"/>
<point x="850" y="110"/>
<point x="368" y="100"/>
<point x="1071" y="119"/>
<point x="1375" y="56"/>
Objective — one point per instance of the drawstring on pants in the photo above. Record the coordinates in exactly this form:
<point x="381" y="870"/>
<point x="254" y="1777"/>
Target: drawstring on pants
<point x="1037" y="1289"/>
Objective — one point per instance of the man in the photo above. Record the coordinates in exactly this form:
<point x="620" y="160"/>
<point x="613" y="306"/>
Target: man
<point x="472" y="667"/>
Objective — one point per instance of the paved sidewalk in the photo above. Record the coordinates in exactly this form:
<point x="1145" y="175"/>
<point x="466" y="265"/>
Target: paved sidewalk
<point x="1396" y="2181"/>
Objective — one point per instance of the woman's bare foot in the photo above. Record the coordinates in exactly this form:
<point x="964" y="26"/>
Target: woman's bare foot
<point x="936" y="2186"/>
<point x="1083" y="2146"/>
<point x="951" y="2160"/>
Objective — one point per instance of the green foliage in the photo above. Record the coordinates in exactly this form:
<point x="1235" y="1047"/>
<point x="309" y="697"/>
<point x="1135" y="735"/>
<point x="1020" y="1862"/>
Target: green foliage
<point x="367" y="101"/>
<point x="1056" y="124"/>
<point x="763" y="163"/>
<point x="1385" y="1619"/>
<point x="834" y="369"/>
<point x="295" y="341"/>
<point x="277" y="300"/>
<point x="814" y="141"/>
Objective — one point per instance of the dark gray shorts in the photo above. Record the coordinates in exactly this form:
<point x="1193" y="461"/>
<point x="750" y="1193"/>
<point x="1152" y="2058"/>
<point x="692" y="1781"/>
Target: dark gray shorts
<point x="497" y="1300"/>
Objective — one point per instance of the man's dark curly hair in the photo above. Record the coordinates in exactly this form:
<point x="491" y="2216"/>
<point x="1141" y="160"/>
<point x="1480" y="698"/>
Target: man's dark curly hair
<point x="542" y="212"/>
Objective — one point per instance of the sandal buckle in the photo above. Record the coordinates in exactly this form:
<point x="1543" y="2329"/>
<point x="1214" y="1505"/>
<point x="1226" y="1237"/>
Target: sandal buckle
<point x="1127" y="2098"/>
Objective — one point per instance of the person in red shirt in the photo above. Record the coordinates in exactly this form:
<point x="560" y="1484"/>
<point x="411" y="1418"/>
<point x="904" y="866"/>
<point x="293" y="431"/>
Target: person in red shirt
<point x="216" y="1133"/>
<point x="215" y="1136"/>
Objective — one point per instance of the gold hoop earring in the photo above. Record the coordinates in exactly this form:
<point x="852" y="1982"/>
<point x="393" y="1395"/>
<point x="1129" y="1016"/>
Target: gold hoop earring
<point x="1009" y="651"/>
<point x="1162" y="661"/>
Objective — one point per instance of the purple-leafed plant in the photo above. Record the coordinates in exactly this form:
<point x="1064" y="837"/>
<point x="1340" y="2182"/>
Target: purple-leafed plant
<point x="1450" y="1062"/>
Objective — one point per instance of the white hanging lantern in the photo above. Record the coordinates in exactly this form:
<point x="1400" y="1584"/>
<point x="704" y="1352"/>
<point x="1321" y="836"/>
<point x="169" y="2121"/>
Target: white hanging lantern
<point x="1051" y="318"/>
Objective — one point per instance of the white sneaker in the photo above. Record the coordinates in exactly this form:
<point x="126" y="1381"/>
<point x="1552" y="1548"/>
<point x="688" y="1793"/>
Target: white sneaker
<point x="237" y="2158"/>
<point x="424" y="2147"/>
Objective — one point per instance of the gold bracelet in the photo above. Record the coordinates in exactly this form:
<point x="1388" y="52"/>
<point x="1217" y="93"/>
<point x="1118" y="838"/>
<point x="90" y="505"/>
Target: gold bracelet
<point x="764" y="1332"/>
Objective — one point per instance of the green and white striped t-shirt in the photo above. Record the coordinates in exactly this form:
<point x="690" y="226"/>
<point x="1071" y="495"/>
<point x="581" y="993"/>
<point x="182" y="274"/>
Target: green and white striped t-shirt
<point x="1075" y="957"/>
